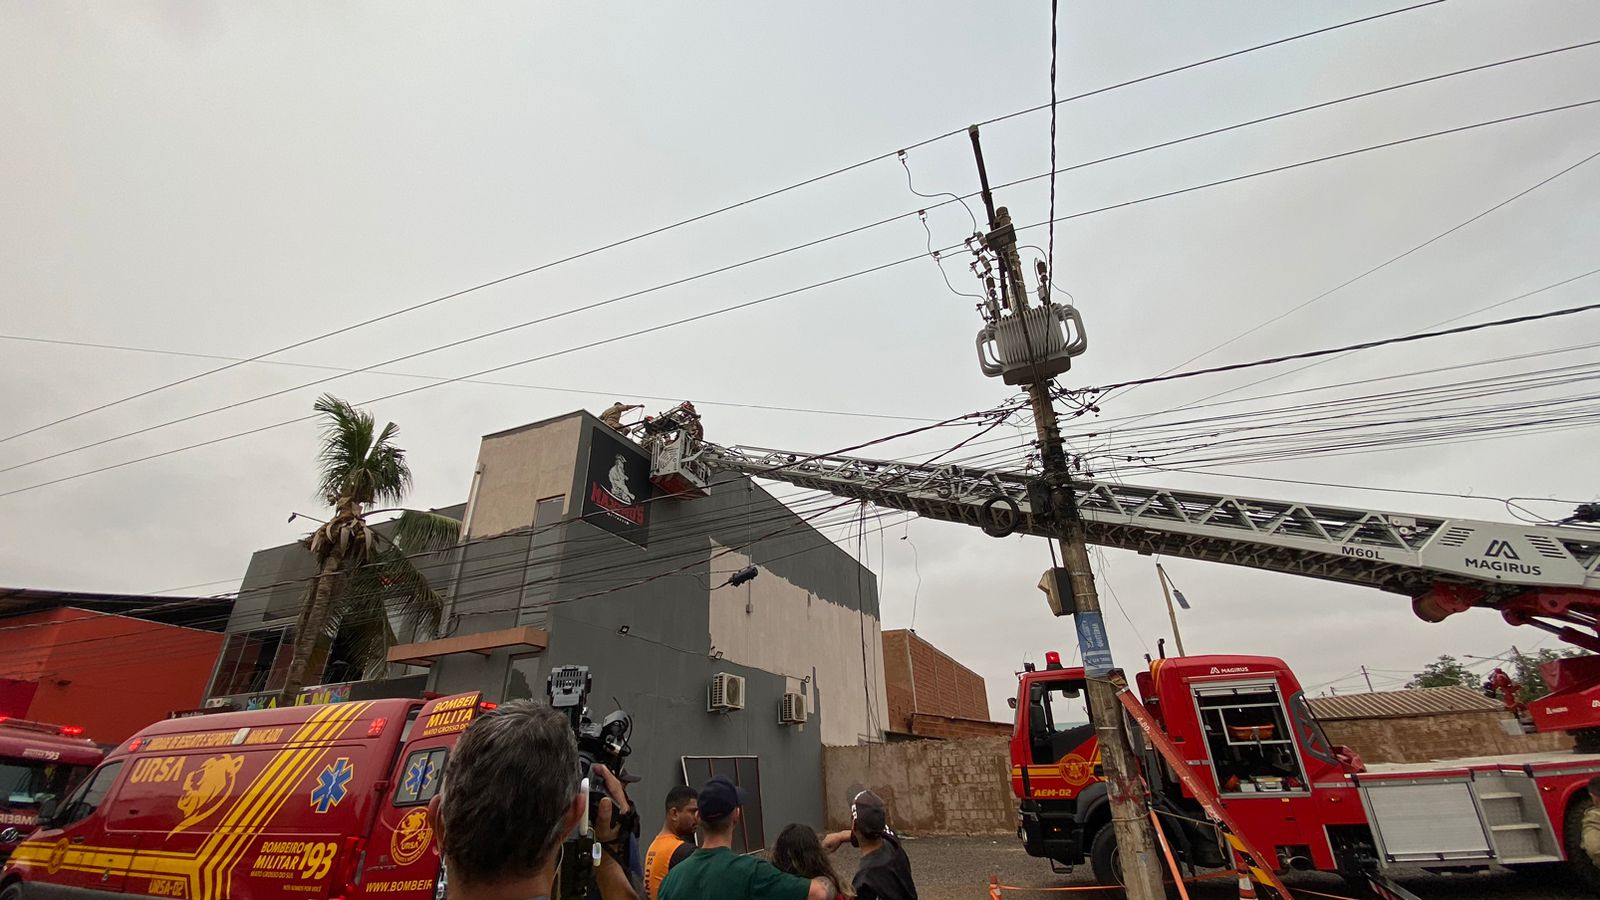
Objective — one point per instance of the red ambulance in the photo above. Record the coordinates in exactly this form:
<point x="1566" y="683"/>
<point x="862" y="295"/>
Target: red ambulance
<point x="297" y="803"/>
<point x="38" y="762"/>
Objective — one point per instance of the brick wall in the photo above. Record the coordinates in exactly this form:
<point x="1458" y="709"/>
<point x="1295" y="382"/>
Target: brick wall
<point x="952" y="727"/>
<point x="919" y="678"/>
<point x="1443" y="736"/>
<point x="931" y="787"/>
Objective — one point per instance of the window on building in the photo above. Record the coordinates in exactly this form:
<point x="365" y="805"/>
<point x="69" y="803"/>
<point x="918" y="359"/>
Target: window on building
<point x="745" y="771"/>
<point x="548" y="510"/>
<point x="254" y="661"/>
<point x="521" y="678"/>
<point x="92" y="794"/>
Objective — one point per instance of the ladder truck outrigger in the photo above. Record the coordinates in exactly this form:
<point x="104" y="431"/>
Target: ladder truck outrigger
<point x="1237" y="731"/>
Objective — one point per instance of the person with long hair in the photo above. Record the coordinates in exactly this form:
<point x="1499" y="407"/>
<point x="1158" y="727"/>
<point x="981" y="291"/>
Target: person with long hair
<point x="798" y="851"/>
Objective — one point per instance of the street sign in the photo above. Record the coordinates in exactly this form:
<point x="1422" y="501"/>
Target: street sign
<point x="1093" y="645"/>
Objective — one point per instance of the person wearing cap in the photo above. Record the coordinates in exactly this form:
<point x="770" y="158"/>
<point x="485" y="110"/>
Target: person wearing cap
<point x="716" y="871"/>
<point x="884" y="872"/>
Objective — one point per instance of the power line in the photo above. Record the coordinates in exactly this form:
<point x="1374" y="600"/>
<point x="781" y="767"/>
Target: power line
<point x="415" y="375"/>
<point x="1365" y="345"/>
<point x="694" y="554"/>
<point x="1385" y="264"/>
<point x="712" y="213"/>
<point x="630" y="295"/>
<point x="980" y="415"/>
<point x="758" y="301"/>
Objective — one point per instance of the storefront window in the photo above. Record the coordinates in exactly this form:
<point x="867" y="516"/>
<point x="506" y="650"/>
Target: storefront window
<point x="254" y="661"/>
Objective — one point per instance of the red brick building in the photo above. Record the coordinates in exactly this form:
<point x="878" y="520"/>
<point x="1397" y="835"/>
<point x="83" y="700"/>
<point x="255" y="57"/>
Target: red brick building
<point x="930" y="694"/>
<point x="110" y="663"/>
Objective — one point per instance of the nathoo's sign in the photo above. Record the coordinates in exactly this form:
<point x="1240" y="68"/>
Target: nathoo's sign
<point x="617" y="488"/>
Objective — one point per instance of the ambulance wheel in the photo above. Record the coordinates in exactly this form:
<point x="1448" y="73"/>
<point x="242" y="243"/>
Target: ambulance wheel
<point x="1578" y="862"/>
<point x="1104" y="858"/>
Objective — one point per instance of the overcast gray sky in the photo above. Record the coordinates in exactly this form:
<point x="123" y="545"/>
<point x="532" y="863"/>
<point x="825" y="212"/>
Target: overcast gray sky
<point x="230" y="178"/>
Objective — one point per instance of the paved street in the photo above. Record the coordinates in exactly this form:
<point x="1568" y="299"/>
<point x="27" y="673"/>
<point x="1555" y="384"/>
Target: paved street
<point x="958" y="868"/>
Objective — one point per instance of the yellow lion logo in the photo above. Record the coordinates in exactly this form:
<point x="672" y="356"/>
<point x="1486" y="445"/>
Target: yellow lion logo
<point x="205" y="789"/>
<point x="411" y="837"/>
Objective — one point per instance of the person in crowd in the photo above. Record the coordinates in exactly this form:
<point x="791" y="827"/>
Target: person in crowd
<point x="511" y="796"/>
<point x="798" y="851"/>
<point x="716" y="872"/>
<point x="1591" y="822"/>
<point x="676" y="840"/>
<point x="885" y="871"/>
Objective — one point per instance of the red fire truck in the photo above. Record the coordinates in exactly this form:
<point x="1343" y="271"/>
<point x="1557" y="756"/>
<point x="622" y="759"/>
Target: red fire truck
<point x="38" y="763"/>
<point x="1241" y="724"/>
<point x="1245" y="730"/>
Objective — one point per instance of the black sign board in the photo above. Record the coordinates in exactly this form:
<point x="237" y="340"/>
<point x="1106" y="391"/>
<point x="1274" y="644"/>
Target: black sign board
<point x="617" y="488"/>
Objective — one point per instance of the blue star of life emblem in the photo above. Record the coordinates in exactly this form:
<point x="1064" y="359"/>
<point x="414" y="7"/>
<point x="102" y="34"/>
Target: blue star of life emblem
<point x="419" y="776"/>
<point x="332" y="785"/>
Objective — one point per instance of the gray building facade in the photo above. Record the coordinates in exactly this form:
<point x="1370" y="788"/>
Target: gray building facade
<point x="569" y="556"/>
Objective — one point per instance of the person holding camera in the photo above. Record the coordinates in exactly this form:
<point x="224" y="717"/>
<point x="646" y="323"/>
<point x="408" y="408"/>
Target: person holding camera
<point x="715" y="872"/>
<point x="510" y="798"/>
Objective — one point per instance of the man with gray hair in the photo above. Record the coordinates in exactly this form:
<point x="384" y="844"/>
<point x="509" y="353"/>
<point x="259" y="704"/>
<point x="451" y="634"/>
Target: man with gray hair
<point x="510" y="798"/>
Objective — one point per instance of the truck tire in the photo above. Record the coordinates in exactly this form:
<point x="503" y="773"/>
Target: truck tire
<point x="13" y="891"/>
<point x="1104" y="860"/>
<point x="1578" y="862"/>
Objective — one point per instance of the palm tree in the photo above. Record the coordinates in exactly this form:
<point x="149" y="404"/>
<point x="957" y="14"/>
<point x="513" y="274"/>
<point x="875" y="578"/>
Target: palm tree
<point x="364" y="576"/>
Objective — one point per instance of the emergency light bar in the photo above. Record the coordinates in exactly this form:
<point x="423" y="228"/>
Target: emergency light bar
<point x="42" y="727"/>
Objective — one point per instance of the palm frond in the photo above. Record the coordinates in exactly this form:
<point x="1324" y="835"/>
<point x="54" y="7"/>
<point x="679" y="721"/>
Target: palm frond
<point x="407" y="595"/>
<point x="386" y="465"/>
<point x="361" y="618"/>
<point x="416" y="531"/>
<point x="357" y="460"/>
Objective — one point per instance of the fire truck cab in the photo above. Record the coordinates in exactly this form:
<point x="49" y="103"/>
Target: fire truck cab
<point x="1243" y="729"/>
<point x="301" y="802"/>
<point x="38" y="763"/>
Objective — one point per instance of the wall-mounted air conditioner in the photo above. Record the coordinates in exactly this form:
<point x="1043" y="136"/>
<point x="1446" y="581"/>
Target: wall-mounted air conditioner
<point x="792" y="709"/>
<point x="726" y="693"/>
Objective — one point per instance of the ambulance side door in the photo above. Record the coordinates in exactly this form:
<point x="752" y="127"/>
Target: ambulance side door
<point x="402" y="855"/>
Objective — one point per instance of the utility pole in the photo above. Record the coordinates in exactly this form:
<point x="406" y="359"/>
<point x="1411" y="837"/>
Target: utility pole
<point x="1364" y="674"/>
<point x="1172" y="614"/>
<point x="1130" y="811"/>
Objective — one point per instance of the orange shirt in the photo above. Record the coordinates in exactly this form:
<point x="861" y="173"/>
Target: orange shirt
<point x="665" y="850"/>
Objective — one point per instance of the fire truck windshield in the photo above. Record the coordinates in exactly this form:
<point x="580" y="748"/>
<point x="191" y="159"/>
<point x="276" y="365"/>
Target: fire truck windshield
<point x="30" y="782"/>
<point x="1058" y="719"/>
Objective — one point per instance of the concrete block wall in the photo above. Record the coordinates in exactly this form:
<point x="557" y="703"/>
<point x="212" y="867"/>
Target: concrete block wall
<point x="932" y="787"/>
<point x="1445" y="736"/>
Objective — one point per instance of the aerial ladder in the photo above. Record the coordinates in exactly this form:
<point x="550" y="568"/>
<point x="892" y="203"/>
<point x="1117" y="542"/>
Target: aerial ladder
<point x="1545" y="576"/>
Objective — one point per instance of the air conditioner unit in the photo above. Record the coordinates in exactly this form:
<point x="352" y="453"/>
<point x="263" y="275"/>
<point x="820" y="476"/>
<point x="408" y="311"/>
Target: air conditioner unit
<point x="792" y="709"/>
<point x="726" y="693"/>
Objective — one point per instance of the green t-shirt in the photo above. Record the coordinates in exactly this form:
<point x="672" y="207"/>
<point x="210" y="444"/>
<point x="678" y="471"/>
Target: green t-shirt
<point x="725" y="875"/>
